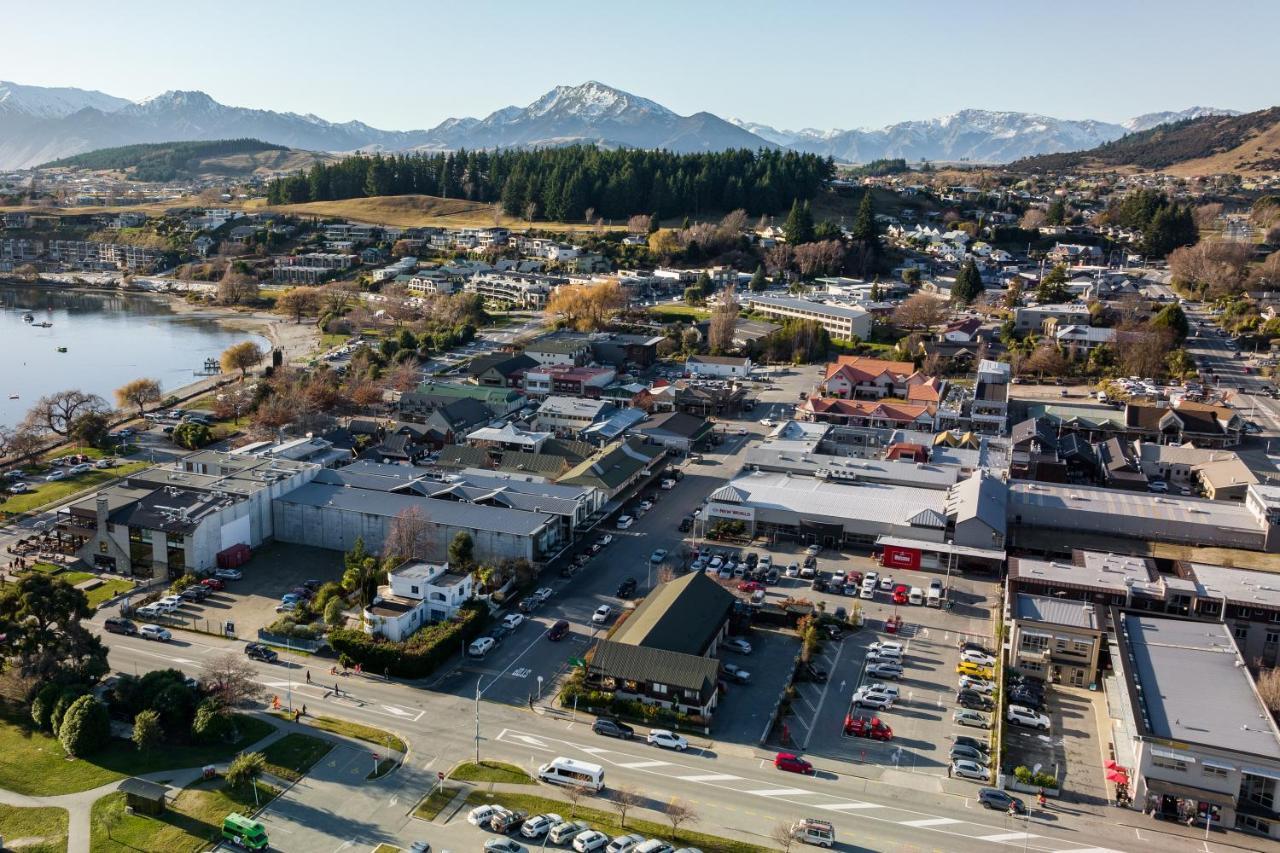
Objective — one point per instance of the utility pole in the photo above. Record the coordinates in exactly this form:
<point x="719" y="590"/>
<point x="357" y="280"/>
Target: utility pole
<point x="477" y="721"/>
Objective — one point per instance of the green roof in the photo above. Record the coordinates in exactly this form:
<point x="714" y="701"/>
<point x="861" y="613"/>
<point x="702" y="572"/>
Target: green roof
<point x="474" y="392"/>
<point x="683" y="615"/>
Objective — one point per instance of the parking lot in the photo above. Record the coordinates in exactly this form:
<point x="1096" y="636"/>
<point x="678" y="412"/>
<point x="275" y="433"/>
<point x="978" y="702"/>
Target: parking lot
<point x="1071" y="749"/>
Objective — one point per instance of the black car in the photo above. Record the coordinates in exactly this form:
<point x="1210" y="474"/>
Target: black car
<point x="686" y="523"/>
<point x="994" y="798"/>
<point x="810" y="561"/>
<point x="1026" y="699"/>
<point x="558" y="630"/>
<point x="120" y="625"/>
<point x="818" y="585"/>
<point x="832" y="631"/>
<point x="771" y="576"/>
<point x="196" y="592"/>
<point x="627" y="588"/>
<point x="973" y="701"/>
<point x="257" y="651"/>
<point x="612" y="728"/>
<point x="752" y="559"/>
<point x="311" y="584"/>
<point x="979" y="744"/>
<point x="809" y="672"/>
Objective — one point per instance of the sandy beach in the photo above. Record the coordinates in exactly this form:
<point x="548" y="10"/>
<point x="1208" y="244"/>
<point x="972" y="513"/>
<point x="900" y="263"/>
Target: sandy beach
<point x="298" y="341"/>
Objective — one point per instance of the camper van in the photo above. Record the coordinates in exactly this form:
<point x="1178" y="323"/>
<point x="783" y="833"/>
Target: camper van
<point x="566" y="771"/>
<point x="244" y="832"/>
<point x="812" y="831"/>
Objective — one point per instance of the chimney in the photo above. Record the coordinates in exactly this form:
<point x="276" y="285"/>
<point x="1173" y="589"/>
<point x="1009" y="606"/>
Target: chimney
<point x="100" y="513"/>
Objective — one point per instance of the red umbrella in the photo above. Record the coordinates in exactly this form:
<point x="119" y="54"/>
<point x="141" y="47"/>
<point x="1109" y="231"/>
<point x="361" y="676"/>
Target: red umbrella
<point x="1117" y="776"/>
<point x="1110" y="764"/>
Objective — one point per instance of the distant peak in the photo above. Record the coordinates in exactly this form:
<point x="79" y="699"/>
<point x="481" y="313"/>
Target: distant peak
<point x="593" y="99"/>
<point x="180" y="97"/>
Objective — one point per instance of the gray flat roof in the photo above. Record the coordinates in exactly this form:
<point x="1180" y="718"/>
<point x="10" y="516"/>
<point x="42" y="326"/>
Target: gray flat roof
<point x="1056" y="611"/>
<point x="1195" y="686"/>
<point x="1125" y="504"/>
<point x="1240" y="586"/>
<point x="878" y="502"/>
<point x="789" y="456"/>
<point x="450" y="513"/>
<point x="848" y="312"/>
<point x="1096" y="570"/>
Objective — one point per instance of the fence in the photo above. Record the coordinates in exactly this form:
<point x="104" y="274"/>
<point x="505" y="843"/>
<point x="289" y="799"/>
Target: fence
<point x="293" y="643"/>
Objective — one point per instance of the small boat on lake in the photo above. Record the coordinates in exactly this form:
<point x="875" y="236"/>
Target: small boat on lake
<point x="29" y="317"/>
<point x="43" y="325"/>
<point x="62" y="349"/>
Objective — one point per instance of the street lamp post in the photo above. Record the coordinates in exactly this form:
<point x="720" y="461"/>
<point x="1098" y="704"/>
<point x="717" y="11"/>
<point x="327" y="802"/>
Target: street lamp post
<point x="477" y="721"/>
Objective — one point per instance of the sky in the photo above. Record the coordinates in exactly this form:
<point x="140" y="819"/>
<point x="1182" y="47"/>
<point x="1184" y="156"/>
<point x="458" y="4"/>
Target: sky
<point x="803" y="63"/>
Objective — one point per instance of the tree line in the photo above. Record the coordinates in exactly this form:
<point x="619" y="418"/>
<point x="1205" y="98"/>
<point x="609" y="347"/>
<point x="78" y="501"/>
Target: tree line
<point x="565" y="184"/>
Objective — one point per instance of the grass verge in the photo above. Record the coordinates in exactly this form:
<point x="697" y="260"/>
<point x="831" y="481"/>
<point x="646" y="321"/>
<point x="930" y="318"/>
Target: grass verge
<point x="386" y="848"/>
<point x="109" y="590"/>
<point x="385" y="766"/>
<point x="34" y="763"/>
<point x="380" y="737"/>
<point x="490" y="771"/>
<point x="607" y="822"/>
<point x="435" y="802"/>
<point x="45" y="827"/>
<point x="191" y="823"/>
<point x="294" y="755"/>
<point x="58" y="490"/>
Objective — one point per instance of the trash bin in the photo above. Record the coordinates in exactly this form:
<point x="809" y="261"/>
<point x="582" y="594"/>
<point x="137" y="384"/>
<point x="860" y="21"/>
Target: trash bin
<point x="229" y="629"/>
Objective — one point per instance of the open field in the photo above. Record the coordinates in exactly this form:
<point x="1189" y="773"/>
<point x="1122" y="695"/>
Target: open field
<point x="409" y="211"/>
<point x="192" y="821"/>
<point x="45" y="493"/>
<point x="44" y="828"/>
<point x="670" y="312"/>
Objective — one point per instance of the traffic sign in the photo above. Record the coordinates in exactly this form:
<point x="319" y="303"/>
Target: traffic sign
<point x="440" y="775"/>
<point x="577" y="662"/>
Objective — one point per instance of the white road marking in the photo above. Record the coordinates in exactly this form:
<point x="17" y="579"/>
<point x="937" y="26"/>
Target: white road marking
<point x="1087" y="850"/>
<point x="845" y="807"/>
<point x="931" y="821"/>
<point x="1001" y="838"/>
<point x="777" y="792"/>
<point x="636" y="765"/>
<point x="710" y="777"/>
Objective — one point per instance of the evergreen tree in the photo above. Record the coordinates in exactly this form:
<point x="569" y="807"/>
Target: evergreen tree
<point x="1170" y="228"/>
<point x="1053" y="287"/>
<point x="706" y="286"/>
<point x="1173" y="318"/>
<point x="864" y="225"/>
<point x="758" y="281"/>
<point x="968" y="284"/>
<point x="799" y="225"/>
<point x="1057" y="214"/>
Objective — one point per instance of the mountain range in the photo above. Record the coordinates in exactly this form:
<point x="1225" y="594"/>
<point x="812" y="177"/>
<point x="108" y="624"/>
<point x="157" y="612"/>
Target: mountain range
<point x="39" y="124"/>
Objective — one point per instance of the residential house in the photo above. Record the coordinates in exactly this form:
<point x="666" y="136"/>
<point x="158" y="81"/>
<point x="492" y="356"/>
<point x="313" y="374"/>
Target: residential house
<point x="961" y="331"/>
<point x="678" y="431"/>
<point x="416" y="594"/>
<point x="718" y="366"/>
<point x="500" y="369"/>
<point x="570" y="415"/>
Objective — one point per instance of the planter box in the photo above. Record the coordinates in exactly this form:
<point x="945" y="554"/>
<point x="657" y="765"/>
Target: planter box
<point x="1014" y="785"/>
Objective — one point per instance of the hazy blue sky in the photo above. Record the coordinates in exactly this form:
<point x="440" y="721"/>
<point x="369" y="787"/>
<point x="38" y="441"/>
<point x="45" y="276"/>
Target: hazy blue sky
<point x="404" y="65"/>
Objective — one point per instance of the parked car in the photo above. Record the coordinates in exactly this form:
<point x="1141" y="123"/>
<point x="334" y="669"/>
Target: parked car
<point x="809" y="672"/>
<point x="627" y="588"/>
<point x="968" y="753"/>
<point x="623" y="843"/>
<point x="974" y="701"/>
<point x="870" y="727"/>
<point x="512" y="621"/>
<point x="228" y="574"/>
<point x="540" y="824"/>
<point x="57" y="474"/>
<point x="792" y="763"/>
<point x="737" y="644"/>
<point x="590" y="841"/>
<point x="1027" y="699"/>
<point x="967" y="668"/>
<point x="667" y="740"/>
<point x="481" y="646"/>
<point x="195" y="592"/>
<point x="735" y="672"/>
<point x="1023" y="716"/>
<point x="625" y="521"/>
<point x="566" y="830"/>
<point x="480" y="815"/>
<point x="602" y="615"/>
<point x="154" y="632"/>
<point x="995" y="798"/>
<point x="658" y="556"/>
<point x="504" y="845"/>
<point x="214" y="583"/>
<point x="120" y="625"/>
<point x="968" y="682"/>
<point x="886" y="649"/>
<point x="864" y="697"/>
<point x="506" y="820"/>
<point x="900" y="594"/>
<point x="610" y="727"/>
<point x="286" y="607"/>
<point x="963" y="769"/>
<point x="558" y="631"/>
<point x="979" y="744"/>
<point x="885" y="669"/>
<point x="971" y="718"/>
<point x="257" y="651"/>
<point x="979" y="658"/>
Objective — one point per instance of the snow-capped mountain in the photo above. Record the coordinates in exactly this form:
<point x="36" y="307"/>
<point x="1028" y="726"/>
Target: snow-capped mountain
<point x="596" y="113"/>
<point x="48" y="102"/>
<point x="40" y="124"/>
<point x="1146" y="121"/>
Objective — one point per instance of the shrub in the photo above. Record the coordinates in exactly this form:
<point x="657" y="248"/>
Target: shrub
<point x="418" y="656"/>
<point x="60" y="707"/>
<point x="333" y="612"/>
<point x="211" y="724"/>
<point x="192" y="436"/>
<point x="147" y="732"/>
<point x="183" y="582"/>
<point x="245" y="768"/>
<point x="42" y="706"/>
<point x="85" y="727"/>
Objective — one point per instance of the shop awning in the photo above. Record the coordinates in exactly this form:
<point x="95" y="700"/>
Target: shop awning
<point x="1186" y="792"/>
<point x="941" y="547"/>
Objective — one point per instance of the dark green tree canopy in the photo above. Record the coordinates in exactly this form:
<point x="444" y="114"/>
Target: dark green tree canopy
<point x="41" y="632"/>
<point x="968" y="284"/>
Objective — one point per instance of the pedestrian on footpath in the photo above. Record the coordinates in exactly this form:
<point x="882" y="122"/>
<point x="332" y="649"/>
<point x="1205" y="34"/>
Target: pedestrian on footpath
<point x="308" y="676"/>
<point x="335" y="688"/>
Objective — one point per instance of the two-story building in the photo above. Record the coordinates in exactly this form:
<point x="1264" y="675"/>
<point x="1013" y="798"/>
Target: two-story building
<point x="1055" y="639"/>
<point x="417" y="593"/>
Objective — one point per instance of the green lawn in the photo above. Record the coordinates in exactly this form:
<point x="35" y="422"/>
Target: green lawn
<point x="386" y="848"/>
<point x="109" y="590"/>
<point x="606" y="820"/>
<point x="44" y="493"/>
<point x="435" y="802"/>
<point x="385" y="766"/>
<point x="490" y="771"/>
<point x="191" y="823"/>
<point x="358" y="731"/>
<point x="295" y="754"/>
<point x="49" y="824"/>
<point x="672" y="311"/>
<point x="34" y="763"/>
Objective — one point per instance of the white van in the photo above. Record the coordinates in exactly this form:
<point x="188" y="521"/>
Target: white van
<point x="935" y="597"/>
<point x="916" y="596"/>
<point x="566" y="771"/>
<point x="812" y="831"/>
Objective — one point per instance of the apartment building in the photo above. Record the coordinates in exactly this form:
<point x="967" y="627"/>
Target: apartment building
<point x="841" y="321"/>
<point x="525" y="290"/>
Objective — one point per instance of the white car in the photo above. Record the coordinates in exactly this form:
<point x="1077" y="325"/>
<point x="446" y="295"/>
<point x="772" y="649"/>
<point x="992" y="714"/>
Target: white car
<point x="667" y="485"/>
<point x="970" y="718"/>
<point x="602" y="614"/>
<point x="885" y="669"/>
<point x="512" y="621"/>
<point x="1026" y="717"/>
<point x="623" y="843"/>
<point x="544" y="593"/>
<point x="154" y="632"/>
<point x="228" y="574"/>
<point x="981" y="685"/>
<point x="539" y="825"/>
<point x="646" y="505"/>
<point x="481" y="646"/>
<point x="625" y="521"/>
<point x="965" y="769"/>
<point x="658" y="556"/>
<point x="866" y="698"/>
<point x="590" y="841"/>
<point x="82" y="468"/>
<point x="767" y="422"/>
<point x="479" y="816"/>
<point x="977" y="657"/>
<point x="19" y="488"/>
<point x="667" y="740"/>
<point x="885" y="649"/>
<point x="737" y="644"/>
<point x="793" y="570"/>
<point x="148" y="611"/>
<point x="716" y="562"/>
<point x="604" y="540"/>
<point x="886" y="584"/>
<point x="889" y="689"/>
<point x="567" y="830"/>
<point x="58" y="474"/>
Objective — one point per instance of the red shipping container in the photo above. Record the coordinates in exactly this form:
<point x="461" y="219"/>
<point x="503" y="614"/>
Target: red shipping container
<point x="234" y="557"/>
<point x="897" y="557"/>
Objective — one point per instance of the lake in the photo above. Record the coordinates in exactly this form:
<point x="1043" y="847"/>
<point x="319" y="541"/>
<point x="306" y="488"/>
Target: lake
<point x="110" y="338"/>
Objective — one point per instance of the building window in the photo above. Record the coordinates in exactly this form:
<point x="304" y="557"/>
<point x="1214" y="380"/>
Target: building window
<point x="1031" y="666"/>
<point x="1272" y="638"/>
<point x="413" y="590"/>
<point x="1253" y="824"/>
<point x="1033" y="643"/>
<point x="1169" y="763"/>
<point x="1241" y="632"/>
<point x="1081" y="647"/>
<point x="1214" y="772"/>
<point x="660" y="689"/>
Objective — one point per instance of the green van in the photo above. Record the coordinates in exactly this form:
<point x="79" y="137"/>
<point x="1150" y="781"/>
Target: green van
<point x="244" y="832"/>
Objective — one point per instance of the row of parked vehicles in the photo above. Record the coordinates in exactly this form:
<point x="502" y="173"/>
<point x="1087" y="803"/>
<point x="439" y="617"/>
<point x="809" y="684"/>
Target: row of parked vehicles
<point x="551" y="828"/>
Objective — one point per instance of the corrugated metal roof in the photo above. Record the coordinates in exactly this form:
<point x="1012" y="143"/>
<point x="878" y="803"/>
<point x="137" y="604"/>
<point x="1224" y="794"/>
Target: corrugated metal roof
<point x="637" y="663"/>
<point x="1056" y="611"/>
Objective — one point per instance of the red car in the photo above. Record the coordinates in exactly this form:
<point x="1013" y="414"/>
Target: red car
<point x="900" y="594"/>
<point x="864" y="727"/>
<point x="792" y="763"/>
<point x="214" y="583"/>
<point x="750" y="586"/>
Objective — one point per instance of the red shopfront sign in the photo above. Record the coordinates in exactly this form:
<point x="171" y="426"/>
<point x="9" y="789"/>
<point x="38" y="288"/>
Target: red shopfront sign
<point x="897" y="557"/>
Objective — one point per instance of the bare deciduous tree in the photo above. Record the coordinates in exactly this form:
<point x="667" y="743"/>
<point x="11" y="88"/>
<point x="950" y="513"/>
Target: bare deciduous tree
<point x="237" y="288"/>
<point x="677" y="811"/>
<point x="299" y="302"/>
<point x="230" y="679"/>
<point x="723" y="322"/>
<point x="575" y="794"/>
<point x="1033" y="218"/>
<point x="138" y="393"/>
<point x="624" y="800"/>
<point x="919" y="311"/>
<point x="639" y="224"/>
<point x="781" y="834"/>
<point x="407" y="537"/>
<point x="58" y="411"/>
<point x="1046" y="360"/>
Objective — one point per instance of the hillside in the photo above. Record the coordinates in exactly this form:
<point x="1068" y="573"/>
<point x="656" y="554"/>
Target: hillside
<point x="411" y="211"/>
<point x="1206" y="145"/>
<point x="167" y="161"/>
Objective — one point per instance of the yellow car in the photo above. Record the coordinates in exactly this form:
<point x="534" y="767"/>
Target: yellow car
<point x="966" y="668"/>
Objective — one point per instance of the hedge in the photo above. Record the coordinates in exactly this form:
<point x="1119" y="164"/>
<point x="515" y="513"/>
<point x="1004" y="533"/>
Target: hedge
<point x="418" y="656"/>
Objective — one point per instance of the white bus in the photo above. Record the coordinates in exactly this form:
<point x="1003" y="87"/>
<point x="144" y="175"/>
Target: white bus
<point x="566" y="771"/>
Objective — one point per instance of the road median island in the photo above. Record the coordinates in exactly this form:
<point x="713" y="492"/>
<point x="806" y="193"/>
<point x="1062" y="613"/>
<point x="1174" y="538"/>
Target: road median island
<point x="490" y="771"/>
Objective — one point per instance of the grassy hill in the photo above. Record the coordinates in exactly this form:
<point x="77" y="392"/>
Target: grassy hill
<point x="167" y="161"/>
<point x="1208" y="145"/>
<point x="414" y="211"/>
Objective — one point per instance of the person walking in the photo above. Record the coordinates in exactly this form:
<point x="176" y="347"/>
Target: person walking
<point x="948" y="771"/>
